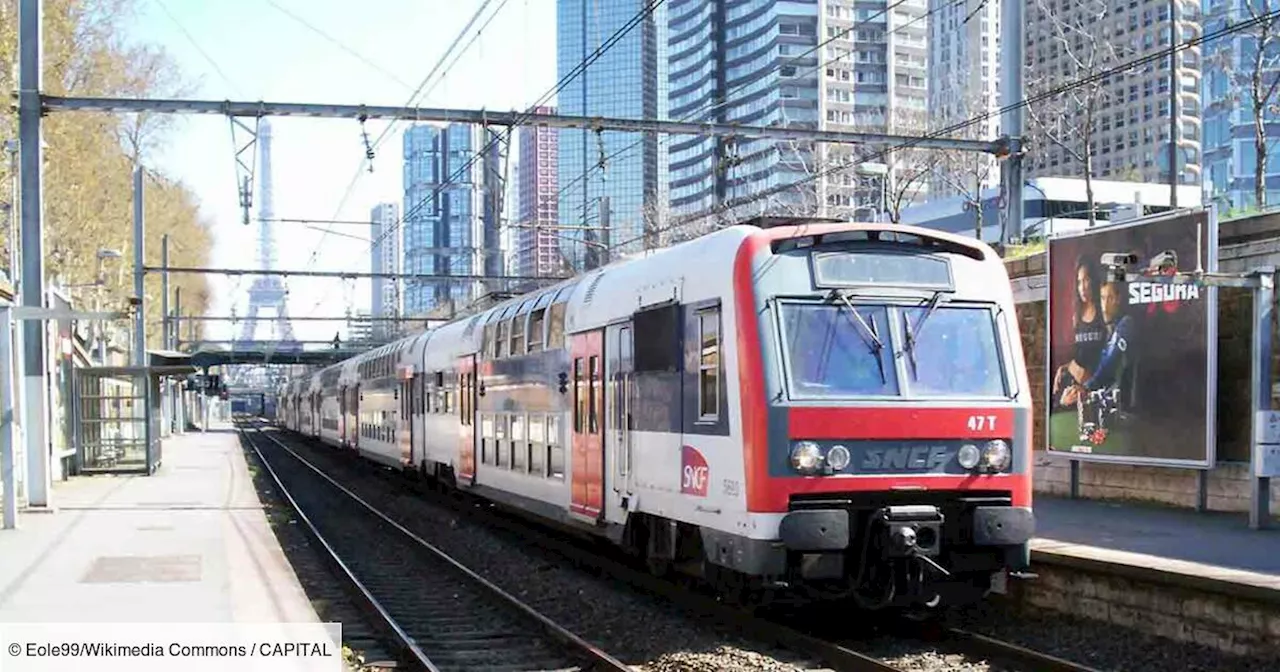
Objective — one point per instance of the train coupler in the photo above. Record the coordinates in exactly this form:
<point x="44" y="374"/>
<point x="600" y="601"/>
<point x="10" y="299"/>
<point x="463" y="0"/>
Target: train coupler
<point x="911" y="530"/>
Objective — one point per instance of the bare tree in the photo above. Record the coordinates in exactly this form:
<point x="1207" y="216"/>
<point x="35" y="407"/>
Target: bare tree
<point x="958" y="173"/>
<point x="966" y="174"/>
<point x="1256" y="80"/>
<point x="905" y="178"/>
<point x="1069" y="120"/>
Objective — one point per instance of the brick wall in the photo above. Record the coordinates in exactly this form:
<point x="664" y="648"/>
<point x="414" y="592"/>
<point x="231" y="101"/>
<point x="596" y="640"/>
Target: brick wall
<point x="1228" y="486"/>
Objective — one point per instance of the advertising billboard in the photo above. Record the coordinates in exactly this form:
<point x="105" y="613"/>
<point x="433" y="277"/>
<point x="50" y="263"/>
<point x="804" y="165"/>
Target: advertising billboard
<point x="1131" y="368"/>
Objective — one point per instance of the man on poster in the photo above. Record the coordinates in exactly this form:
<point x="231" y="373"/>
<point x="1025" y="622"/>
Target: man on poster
<point x="1102" y="394"/>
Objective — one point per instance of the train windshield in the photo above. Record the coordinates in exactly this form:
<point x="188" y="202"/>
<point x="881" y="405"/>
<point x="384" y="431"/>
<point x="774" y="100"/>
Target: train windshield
<point x="839" y="349"/>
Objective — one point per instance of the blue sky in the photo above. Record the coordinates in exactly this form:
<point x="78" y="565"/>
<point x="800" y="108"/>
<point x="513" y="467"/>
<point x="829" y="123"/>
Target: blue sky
<point x="263" y="53"/>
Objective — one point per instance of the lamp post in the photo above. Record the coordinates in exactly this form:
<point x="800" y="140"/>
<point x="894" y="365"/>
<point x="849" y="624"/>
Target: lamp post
<point x="103" y="255"/>
<point x="11" y="148"/>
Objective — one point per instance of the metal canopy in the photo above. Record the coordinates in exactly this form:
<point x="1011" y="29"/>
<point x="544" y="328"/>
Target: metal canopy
<point x="153" y="370"/>
<point x="210" y="358"/>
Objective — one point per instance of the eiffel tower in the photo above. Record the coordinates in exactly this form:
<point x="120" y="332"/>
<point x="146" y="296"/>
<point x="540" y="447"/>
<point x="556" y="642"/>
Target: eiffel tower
<point x="267" y="291"/>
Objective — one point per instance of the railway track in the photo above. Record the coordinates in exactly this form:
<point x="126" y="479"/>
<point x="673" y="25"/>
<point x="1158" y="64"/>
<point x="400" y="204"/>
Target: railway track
<point x="838" y="653"/>
<point x="438" y="614"/>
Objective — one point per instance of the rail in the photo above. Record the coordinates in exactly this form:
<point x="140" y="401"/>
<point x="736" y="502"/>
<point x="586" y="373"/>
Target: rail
<point x="459" y="619"/>
<point x="833" y="652"/>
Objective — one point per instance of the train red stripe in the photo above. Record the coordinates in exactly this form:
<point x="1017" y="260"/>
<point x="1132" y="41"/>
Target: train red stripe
<point x="884" y="422"/>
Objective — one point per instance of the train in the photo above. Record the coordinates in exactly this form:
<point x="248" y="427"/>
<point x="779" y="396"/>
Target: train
<point x="835" y="411"/>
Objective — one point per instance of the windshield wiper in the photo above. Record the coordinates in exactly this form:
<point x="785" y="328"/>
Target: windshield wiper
<point x="869" y="332"/>
<point x="913" y="333"/>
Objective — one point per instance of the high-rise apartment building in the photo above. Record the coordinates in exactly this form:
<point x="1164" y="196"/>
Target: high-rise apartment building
<point x="536" y="241"/>
<point x="628" y="80"/>
<point x="759" y="63"/>
<point x="1230" y="152"/>
<point x="1129" y="136"/>
<point x="874" y="80"/>
<point x="451" y="214"/>
<point x="744" y="62"/>
<point x="384" y="257"/>
<point x="964" y="83"/>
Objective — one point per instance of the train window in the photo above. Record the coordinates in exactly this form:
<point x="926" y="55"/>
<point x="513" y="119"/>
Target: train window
<point x="500" y="340"/>
<point x="464" y="396"/>
<point x="579" y="397"/>
<point x="555" y="326"/>
<point x="501" y="441"/>
<point x="830" y="353"/>
<point x="487" y="347"/>
<point x="519" y="447"/>
<point x="877" y="268"/>
<point x="709" y="364"/>
<point x="517" y="335"/>
<point x="555" y="449"/>
<point x="593" y="401"/>
<point x="956" y="353"/>
<point x="537" y="445"/>
<point x="486" y="439"/>
<point x="536" y="323"/>
<point x="659" y="349"/>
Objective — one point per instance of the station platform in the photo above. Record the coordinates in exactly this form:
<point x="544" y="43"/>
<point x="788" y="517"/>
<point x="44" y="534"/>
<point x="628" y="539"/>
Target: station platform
<point x="190" y="543"/>
<point x="1211" y="551"/>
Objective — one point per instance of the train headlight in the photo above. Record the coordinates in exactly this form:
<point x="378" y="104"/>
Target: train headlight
<point x="838" y="457"/>
<point x="997" y="455"/>
<point x="806" y="457"/>
<point x="969" y="456"/>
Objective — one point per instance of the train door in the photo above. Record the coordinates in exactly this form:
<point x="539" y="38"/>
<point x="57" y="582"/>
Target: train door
<point x="342" y="415"/>
<point x="586" y="353"/>
<point x="353" y="424"/>
<point x="314" y="420"/>
<point x="417" y="423"/>
<point x="466" y="371"/>
<point x="618" y="367"/>
<point x="404" y="421"/>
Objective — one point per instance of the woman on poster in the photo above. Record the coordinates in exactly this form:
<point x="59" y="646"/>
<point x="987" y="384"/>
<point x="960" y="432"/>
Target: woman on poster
<point x="1089" y="327"/>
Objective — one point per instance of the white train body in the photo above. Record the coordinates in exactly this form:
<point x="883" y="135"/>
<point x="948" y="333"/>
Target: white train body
<point x="656" y="402"/>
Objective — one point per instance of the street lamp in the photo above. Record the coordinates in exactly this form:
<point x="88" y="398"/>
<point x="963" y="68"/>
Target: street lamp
<point x="103" y="255"/>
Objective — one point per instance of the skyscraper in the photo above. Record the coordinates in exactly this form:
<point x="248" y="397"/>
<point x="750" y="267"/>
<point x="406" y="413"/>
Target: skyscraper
<point x="384" y="257"/>
<point x="719" y="72"/>
<point x="874" y="80"/>
<point x="1230" y="150"/>
<point x="451" y="213"/>
<point x="537" y="250"/>
<point x="628" y="80"/>
<point x="964" y="82"/>
<point x="758" y="63"/>
<point x="1130" y="112"/>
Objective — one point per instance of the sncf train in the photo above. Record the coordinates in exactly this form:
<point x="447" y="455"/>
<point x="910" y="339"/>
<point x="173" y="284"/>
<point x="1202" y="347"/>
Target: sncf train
<point x="830" y="410"/>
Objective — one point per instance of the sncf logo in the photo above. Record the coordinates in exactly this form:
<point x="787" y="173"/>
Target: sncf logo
<point x="693" y="472"/>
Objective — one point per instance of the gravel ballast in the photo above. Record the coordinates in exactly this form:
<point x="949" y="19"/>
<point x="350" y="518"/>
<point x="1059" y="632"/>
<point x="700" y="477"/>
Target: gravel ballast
<point x="650" y="632"/>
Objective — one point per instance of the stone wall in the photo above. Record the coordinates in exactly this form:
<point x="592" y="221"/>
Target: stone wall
<point x="1231" y="623"/>
<point x="1243" y="245"/>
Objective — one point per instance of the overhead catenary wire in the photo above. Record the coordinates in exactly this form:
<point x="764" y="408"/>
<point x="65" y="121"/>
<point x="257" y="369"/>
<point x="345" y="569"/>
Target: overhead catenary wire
<point x="977" y="119"/>
<point x="190" y="38"/>
<point x="777" y="64"/>
<point x="617" y="36"/>
<point x="338" y="43"/>
<point x="416" y="95"/>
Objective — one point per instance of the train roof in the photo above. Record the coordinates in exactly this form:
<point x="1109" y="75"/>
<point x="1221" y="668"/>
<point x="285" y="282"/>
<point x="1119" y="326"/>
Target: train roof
<point x="819" y="230"/>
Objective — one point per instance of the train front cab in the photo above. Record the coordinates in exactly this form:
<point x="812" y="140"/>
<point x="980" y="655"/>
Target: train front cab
<point x="887" y="417"/>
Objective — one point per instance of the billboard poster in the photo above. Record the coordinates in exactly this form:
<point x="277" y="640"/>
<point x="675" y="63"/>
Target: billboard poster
<point x="1131" y="371"/>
